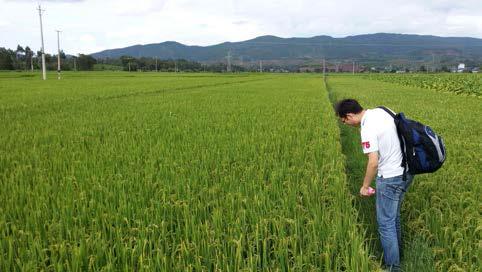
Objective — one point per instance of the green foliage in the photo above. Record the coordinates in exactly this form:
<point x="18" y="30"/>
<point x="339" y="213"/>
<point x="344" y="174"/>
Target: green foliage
<point x="6" y="61"/>
<point x="25" y="60"/>
<point x="170" y="65"/>
<point x="85" y="62"/>
<point x="469" y="84"/>
<point x="106" y="67"/>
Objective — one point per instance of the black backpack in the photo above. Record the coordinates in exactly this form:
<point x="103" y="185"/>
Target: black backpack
<point x="423" y="150"/>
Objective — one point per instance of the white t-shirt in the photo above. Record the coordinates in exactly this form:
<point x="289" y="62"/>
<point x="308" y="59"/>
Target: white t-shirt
<point x="378" y="133"/>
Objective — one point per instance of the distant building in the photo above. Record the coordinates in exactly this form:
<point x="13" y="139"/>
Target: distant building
<point x="461" y="67"/>
<point x="344" y="68"/>
<point x="278" y="70"/>
<point x="307" y="69"/>
<point x="334" y="68"/>
<point x="475" y="70"/>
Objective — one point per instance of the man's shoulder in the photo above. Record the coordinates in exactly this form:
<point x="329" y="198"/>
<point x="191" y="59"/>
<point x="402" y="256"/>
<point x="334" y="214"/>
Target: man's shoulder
<point x="377" y="115"/>
<point x="375" y="119"/>
<point x="370" y="117"/>
<point x="379" y="111"/>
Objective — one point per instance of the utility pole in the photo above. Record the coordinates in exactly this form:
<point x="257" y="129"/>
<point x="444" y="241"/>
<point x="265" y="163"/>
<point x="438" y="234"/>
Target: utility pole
<point x="175" y="66"/>
<point x="260" y="66"/>
<point x="353" y="68"/>
<point x="44" y="72"/>
<point x="129" y="63"/>
<point x="58" y="54"/>
<point x="156" y="66"/>
<point x="228" y="68"/>
<point x="433" y="63"/>
<point x="75" y="64"/>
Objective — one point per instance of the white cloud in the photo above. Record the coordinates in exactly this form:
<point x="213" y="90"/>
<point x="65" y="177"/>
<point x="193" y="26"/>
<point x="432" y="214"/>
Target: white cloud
<point x="87" y="38"/>
<point x="41" y="1"/>
<point x="464" y="24"/>
<point x="4" y="23"/>
<point x="137" y="7"/>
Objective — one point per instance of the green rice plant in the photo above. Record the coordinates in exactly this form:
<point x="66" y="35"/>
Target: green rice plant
<point x="468" y="84"/>
<point x="173" y="172"/>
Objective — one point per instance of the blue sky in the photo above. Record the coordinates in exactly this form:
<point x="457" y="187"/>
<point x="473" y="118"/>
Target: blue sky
<point x="90" y="26"/>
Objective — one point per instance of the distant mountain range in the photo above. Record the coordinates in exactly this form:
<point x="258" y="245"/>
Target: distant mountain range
<point x="380" y="48"/>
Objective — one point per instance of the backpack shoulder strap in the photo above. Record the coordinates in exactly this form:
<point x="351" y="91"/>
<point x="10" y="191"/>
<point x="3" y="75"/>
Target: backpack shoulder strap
<point x="387" y="110"/>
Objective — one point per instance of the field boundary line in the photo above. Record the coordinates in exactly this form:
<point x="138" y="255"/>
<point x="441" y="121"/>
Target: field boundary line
<point x="199" y="86"/>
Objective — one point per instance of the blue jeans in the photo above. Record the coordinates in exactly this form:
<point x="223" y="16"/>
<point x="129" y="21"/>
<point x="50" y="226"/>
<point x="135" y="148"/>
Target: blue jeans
<point x="390" y="192"/>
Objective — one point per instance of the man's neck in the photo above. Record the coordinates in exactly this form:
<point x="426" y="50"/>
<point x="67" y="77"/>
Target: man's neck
<point x="362" y="113"/>
<point x="360" y="116"/>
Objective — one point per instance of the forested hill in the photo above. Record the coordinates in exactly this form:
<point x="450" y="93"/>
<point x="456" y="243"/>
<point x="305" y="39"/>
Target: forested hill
<point x="370" y="47"/>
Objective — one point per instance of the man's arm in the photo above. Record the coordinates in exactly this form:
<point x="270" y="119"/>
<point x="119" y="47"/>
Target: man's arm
<point x="370" y="173"/>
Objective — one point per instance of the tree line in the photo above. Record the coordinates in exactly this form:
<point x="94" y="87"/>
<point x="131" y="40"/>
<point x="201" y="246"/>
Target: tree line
<point x="25" y="59"/>
<point x="129" y="63"/>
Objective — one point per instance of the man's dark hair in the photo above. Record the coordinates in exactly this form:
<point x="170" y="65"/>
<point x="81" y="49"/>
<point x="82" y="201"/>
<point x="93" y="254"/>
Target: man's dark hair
<point x="346" y="106"/>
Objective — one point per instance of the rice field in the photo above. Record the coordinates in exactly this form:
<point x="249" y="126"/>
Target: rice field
<point x="117" y="171"/>
<point x="465" y="84"/>
<point x="173" y="172"/>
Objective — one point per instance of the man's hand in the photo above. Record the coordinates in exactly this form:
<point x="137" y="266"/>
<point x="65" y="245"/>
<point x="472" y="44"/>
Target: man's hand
<point x="370" y="173"/>
<point x="364" y="191"/>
